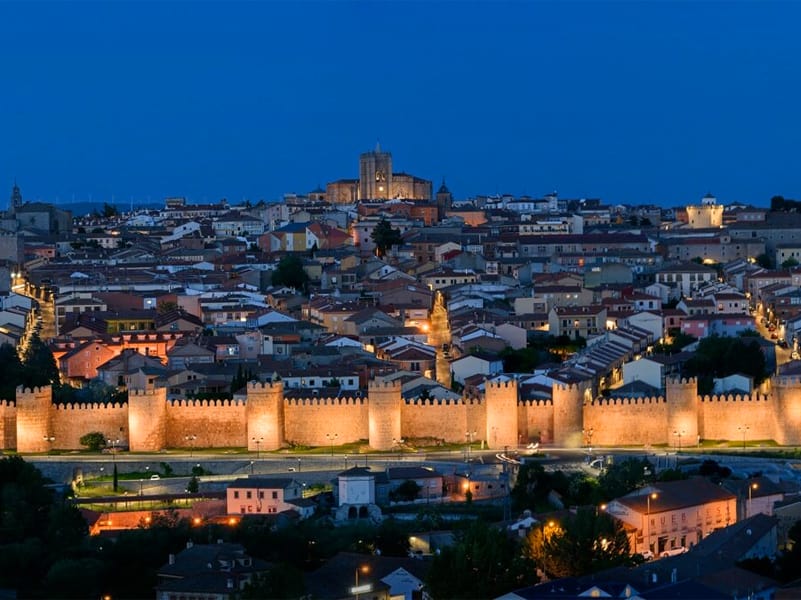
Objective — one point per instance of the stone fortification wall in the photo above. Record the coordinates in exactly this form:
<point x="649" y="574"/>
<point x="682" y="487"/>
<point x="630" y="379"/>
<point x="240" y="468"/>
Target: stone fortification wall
<point x="728" y="417"/>
<point x="384" y="414"/>
<point x="8" y="424"/>
<point x="439" y="419"/>
<point x="536" y="421"/>
<point x="308" y="421"/>
<point x="568" y="410"/>
<point x="71" y="421"/>
<point x="626" y="421"/>
<point x="213" y="423"/>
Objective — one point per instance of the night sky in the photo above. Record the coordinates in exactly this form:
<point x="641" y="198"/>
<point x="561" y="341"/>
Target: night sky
<point x="633" y="102"/>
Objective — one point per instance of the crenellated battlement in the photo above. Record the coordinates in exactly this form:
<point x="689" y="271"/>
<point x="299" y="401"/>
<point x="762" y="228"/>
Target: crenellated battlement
<point x="434" y="402"/>
<point x="501" y="385"/>
<point x="34" y="390"/>
<point x="8" y="404"/>
<point x="264" y="385"/>
<point x="650" y="400"/>
<point x="148" y="393"/>
<point x="567" y="387"/>
<point x="205" y="403"/>
<point x="730" y="398"/>
<point x="536" y="402"/>
<point x="682" y="381"/>
<point x="328" y="401"/>
<point x="383" y="384"/>
<point x="86" y="406"/>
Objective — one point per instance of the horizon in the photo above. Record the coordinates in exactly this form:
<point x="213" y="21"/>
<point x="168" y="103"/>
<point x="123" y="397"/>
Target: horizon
<point x="633" y="103"/>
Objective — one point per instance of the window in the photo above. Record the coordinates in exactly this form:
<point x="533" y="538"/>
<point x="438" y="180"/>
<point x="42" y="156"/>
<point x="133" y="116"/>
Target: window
<point x="261" y="495"/>
<point x="236" y="494"/>
<point x="275" y="495"/>
<point x="248" y="494"/>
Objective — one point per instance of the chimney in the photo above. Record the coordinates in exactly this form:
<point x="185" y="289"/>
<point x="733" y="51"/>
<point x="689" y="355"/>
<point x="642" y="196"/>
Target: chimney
<point x="172" y="559"/>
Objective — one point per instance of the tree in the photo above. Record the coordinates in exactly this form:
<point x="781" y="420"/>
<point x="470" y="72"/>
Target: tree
<point x="193" y="486"/>
<point x="718" y="356"/>
<point x="384" y="236"/>
<point x="166" y="306"/>
<point x="623" y="477"/>
<point x="484" y="563"/>
<point x="115" y="483"/>
<point x="585" y="542"/>
<point x="13" y="372"/>
<point x="109" y="211"/>
<point x="281" y="581"/>
<point x="406" y="491"/>
<point x="765" y="261"/>
<point x="40" y="366"/>
<point x="94" y="440"/>
<point x="290" y="273"/>
<point x="790" y="262"/>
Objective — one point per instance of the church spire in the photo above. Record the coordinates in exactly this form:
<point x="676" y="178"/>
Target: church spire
<point x="378" y="146"/>
<point x="16" y="197"/>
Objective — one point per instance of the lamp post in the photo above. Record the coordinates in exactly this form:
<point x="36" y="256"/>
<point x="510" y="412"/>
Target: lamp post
<point x="49" y="439"/>
<point x="191" y="439"/>
<point x="751" y="487"/>
<point x="744" y="430"/>
<point x="362" y="569"/>
<point x="399" y="444"/>
<point x="678" y="434"/>
<point x="470" y="435"/>
<point x="331" y="437"/>
<point x="258" y="442"/>
<point x="654" y="496"/>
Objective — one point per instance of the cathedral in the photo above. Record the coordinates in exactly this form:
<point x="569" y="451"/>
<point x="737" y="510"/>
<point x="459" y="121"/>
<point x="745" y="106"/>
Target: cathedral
<point x="377" y="181"/>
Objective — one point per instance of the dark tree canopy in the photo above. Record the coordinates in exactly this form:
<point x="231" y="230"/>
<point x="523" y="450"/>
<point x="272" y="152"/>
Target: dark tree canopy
<point x="485" y="563"/>
<point x="290" y="273"/>
<point x="584" y="542"/>
<point x="721" y="356"/>
<point x="385" y="236"/>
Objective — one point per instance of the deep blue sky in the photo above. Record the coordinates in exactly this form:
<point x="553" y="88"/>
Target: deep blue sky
<point x="633" y="102"/>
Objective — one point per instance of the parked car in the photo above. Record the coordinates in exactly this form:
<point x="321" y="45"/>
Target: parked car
<point x="673" y="552"/>
<point x="155" y="476"/>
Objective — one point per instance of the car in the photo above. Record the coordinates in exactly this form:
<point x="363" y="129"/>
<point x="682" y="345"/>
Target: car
<point x="154" y="477"/>
<point x="673" y="552"/>
<point x="647" y="555"/>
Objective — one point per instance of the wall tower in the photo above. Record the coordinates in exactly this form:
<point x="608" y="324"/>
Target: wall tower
<point x="265" y="415"/>
<point x="384" y="414"/>
<point x="568" y="412"/>
<point x="682" y="412"/>
<point x="147" y="419"/>
<point x="502" y="414"/>
<point x="34" y="427"/>
<point x="787" y="392"/>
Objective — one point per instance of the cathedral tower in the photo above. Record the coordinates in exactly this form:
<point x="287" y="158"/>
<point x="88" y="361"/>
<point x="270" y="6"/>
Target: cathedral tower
<point x="375" y="175"/>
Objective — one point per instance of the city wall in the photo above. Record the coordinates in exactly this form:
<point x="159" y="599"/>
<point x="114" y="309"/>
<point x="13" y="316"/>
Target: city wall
<point x="267" y="420"/>
<point x="308" y="421"/>
<point x="212" y="424"/>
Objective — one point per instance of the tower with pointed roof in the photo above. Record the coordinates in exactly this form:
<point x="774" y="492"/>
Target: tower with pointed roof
<point x="16" y="199"/>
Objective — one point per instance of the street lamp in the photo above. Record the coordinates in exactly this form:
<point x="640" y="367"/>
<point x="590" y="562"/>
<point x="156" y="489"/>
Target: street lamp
<point x="49" y="439"/>
<point x="744" y="429"/>
<point x="751" y="487"/>
<point x="258" y="442"/>
<point x="399" y="444"/>
<point x="331" y="437"/>
<point x="191" y="439"/>
<point x="470" y="435"/>
<point x="356" y="589"/>
<point x="654" y="496"/>
<point x="678" y="434"/>
<point x="113" y="444"/>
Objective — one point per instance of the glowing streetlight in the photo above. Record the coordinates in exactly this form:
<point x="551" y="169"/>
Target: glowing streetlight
<point x="678" y="433"/>
<point x="744" y="430"/>
<point x="191" y="439"/>
<point x="751" y="487"/>
<point x="331" y="437"/>
<point x="651" y="496"/>
<point x="258" y="442"/>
